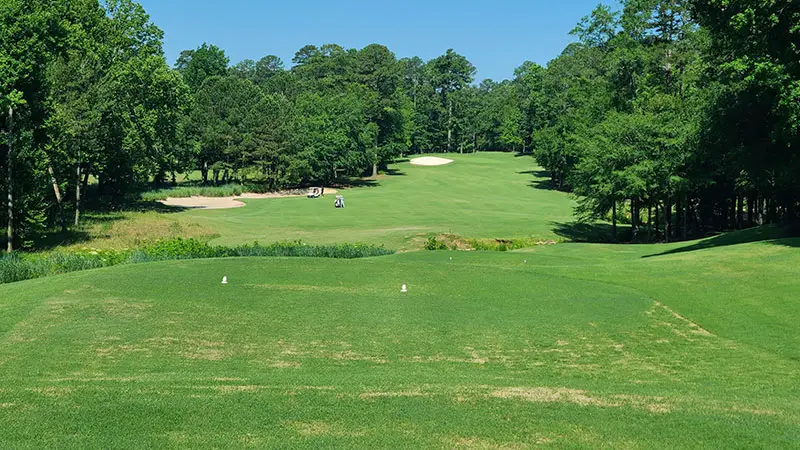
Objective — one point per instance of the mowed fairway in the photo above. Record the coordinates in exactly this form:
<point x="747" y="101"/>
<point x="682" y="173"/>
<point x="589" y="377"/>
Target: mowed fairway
<point x="582" y="346"/>
<point x="484" y="195"/>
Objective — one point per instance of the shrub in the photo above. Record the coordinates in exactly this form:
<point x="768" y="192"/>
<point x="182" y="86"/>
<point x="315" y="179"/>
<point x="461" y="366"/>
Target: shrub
<point x="434" y="244"/>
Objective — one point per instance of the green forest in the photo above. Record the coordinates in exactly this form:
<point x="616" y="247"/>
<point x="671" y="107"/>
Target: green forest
<point x="675" y="117"/>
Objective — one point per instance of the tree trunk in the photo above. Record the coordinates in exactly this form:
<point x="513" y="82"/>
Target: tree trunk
<point x="739" y="212"/>
<point x="614" y="220"/>
<point x="374" y="170"/>
<point x="667" y="218"/>
<point x="685" y="233"/>
<point x="57" y="192"/>
<point x="449" y="125"/>
<point x="649" y="222"/>
<point x="204" y="172"/>
<point x="657" y="220"/>
<point x="750" y="213"/>
<point x="9" y="183"/>
<point x="78" y="195"/>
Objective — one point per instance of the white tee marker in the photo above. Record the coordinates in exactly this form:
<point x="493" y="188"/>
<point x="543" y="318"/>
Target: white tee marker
<point x="404" y="289"/>
<point x="224" y="280"/>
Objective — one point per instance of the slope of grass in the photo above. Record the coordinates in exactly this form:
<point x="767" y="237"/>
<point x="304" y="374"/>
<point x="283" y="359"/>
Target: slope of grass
<point x="485" y="195"/>
<point x="580" y="346"/>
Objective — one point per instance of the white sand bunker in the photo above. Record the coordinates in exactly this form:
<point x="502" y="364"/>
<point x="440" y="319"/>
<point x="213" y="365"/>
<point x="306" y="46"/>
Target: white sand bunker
<point x="430" y="161"/>
<point x="199" y="202"/>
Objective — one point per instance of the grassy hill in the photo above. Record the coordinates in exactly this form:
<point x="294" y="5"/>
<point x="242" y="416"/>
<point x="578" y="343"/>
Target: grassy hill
<point x="580" y="346"/>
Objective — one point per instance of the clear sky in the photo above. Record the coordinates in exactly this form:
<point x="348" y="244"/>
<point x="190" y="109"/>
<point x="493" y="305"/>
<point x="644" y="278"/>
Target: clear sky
<point x="496" y="36"/>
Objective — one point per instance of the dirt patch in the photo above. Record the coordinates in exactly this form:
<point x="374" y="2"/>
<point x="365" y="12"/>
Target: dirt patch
<point x="430" y="161"/>
<point x="199" y="202"/>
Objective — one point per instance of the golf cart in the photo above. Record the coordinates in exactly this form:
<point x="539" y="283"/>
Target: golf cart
<point x="339" y="202"/>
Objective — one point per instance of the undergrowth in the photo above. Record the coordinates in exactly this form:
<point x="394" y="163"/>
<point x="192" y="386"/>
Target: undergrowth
<point x="18" y="267"/>
<point x="455" y="242"/>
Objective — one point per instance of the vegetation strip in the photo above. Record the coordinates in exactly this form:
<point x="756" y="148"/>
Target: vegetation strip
<point x="18" y="267"/>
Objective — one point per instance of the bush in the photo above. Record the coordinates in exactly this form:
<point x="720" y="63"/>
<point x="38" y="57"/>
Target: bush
<point x="434" y="244"/>
<point x="17" y="267"/>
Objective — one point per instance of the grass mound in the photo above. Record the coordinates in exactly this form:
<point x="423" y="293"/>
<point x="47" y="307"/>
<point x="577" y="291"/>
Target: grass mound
<point x="570" y="345"/>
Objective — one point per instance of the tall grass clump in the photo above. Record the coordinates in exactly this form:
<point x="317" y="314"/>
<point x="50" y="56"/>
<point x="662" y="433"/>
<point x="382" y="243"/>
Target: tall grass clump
<point x="226" y="190"/>
<point x="18" y="267"/>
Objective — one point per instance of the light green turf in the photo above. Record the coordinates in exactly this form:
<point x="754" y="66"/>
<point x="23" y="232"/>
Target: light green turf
<point x="483" y="195"/>
<point x="582" y="346"/>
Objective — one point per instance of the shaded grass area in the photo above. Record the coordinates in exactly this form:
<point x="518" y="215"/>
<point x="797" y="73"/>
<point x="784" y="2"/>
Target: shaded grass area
<point x="581" y="346"/>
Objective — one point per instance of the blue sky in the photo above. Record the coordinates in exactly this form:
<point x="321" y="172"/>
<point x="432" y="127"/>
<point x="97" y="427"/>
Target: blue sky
<point x="495" y="36"/>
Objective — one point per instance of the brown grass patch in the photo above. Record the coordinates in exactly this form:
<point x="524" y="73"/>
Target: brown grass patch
<point x="237" y="388"/>
<point x="683" y="328"/>
<point x="391" y="394"/>
<point x="52" y="391"/>
<point x="476" y="443"/>
<point x="206" y="354"/>
<point x="550" y="395"/>
<point x="285" y="364"/>
<point x="121" y="308"/>
<point x="320" y="428"/>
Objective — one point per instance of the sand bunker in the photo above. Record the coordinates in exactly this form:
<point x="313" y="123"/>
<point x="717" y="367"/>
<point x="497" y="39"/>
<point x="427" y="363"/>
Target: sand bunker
<point x="199" y="202"/>
<point x="430" y="161"/>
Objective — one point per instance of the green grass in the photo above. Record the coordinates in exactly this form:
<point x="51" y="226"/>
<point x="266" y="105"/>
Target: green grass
<point x="582" y="346"/>
<point x="682" y="345"/>
<point x="484" y="195"/>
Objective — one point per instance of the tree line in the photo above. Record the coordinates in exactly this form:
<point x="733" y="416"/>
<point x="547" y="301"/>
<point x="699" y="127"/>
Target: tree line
<point x="676" y="117"/>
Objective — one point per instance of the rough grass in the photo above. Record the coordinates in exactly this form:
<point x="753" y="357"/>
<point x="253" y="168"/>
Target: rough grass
<point x="582" y="346"/>
<point x="19" y="267"/>
<point x="227" y="190"/>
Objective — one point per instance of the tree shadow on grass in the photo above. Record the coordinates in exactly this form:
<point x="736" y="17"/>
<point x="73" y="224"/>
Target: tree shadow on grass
<point x="394" y="173"/>
<point x="588" y="232"/>
<point x="774" y="234"/>
<point x="542" y="180"/>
